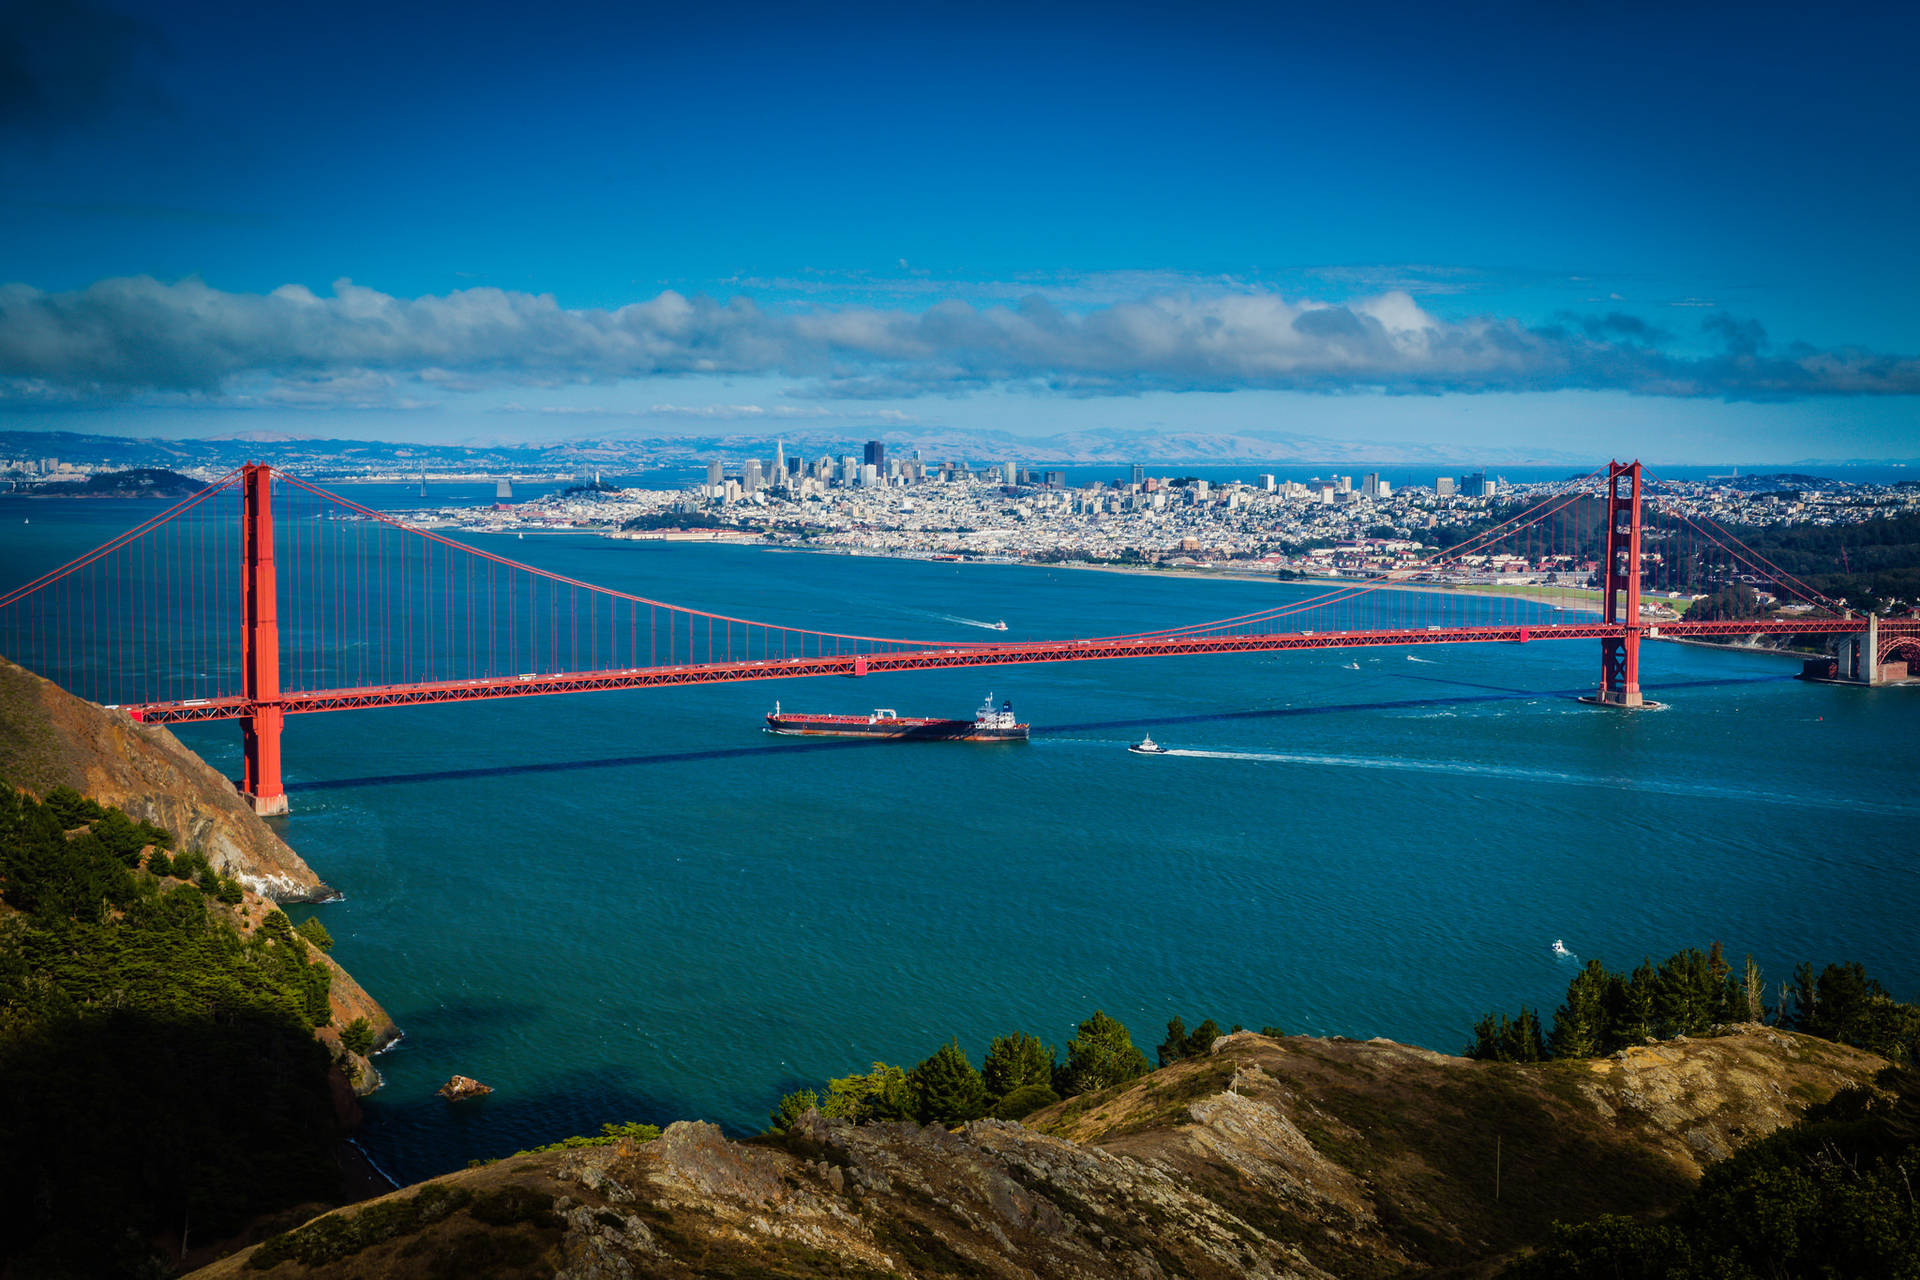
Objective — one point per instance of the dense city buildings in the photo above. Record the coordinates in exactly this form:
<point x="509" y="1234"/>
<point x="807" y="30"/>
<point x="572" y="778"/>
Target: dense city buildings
<point x="1322" y="527"/>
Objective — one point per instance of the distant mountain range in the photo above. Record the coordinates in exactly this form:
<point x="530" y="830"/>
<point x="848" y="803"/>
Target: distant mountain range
<point x="629" y="454"/>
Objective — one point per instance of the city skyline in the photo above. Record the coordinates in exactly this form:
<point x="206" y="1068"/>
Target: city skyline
<point x="1529" y="231"/>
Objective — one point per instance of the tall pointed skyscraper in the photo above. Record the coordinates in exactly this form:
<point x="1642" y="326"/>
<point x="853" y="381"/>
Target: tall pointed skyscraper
<point x="779" y="477"/>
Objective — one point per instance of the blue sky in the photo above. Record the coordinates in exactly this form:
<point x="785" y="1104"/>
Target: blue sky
<point x="1686" y="232"/>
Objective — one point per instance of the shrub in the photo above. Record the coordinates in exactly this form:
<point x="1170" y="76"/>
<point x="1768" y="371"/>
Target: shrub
<point x="792" y="1107"/>
<point x="1024" y="1101"/>
<point x="313" y="931"/>
<point x="71" y="808"/>
<point x="357" y="1036"/>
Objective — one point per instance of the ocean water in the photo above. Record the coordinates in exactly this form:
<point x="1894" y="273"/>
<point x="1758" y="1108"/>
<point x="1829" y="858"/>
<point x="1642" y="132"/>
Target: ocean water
<point x="640" y="906"/>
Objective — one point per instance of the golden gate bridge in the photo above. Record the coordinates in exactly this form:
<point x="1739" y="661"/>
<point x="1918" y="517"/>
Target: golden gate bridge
<point x="335" y="606"/>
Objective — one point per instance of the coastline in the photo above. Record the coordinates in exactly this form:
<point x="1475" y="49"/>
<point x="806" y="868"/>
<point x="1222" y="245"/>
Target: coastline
<point x="1588" y="600"/>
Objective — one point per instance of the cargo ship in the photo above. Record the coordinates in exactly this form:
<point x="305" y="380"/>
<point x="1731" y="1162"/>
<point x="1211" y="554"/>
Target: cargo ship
<point x="989" y="724"/>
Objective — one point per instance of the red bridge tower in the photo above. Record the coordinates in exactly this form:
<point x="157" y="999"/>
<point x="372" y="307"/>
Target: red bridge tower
<point x="1620" y="582"/>
<point x="260" y="645"/>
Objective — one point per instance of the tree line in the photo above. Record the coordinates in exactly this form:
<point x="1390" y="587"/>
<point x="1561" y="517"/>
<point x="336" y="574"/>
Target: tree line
<point x="1691" y="993"/>
<point x="1019" y="1075"/>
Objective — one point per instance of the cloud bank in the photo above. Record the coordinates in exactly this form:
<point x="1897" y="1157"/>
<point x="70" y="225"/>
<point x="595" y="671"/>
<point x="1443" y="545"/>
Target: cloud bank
<point x="130" y="337"/>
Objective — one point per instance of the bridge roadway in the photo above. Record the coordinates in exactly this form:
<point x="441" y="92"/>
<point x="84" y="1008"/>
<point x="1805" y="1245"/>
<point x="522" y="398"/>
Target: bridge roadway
<point x="979" y="655"/>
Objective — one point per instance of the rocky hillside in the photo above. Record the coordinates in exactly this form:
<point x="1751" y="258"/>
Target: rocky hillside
<point x="1266" y="1158"/>
<point x="49" y="738"/>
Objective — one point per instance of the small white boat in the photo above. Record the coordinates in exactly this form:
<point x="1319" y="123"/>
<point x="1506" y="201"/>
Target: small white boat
<point x="1560" y="948"/>
<point x="1147" y="747"/>
<point x="1000" y="625"/>
<point x="1353" y="666"/>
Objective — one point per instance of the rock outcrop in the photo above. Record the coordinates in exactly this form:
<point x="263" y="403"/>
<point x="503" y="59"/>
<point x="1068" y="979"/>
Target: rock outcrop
<point x="49" y="738"/>
<point x="1291" y="1158"/>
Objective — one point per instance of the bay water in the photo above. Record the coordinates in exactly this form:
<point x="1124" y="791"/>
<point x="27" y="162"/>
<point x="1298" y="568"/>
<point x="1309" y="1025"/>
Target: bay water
<point x="641" y="906"/>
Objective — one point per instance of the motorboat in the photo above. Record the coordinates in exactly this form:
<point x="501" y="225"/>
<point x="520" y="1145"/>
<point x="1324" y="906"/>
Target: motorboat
<point x="1560" y="948"/>
<point x="1000" y="625"/>
<point x="1147" y="747"/>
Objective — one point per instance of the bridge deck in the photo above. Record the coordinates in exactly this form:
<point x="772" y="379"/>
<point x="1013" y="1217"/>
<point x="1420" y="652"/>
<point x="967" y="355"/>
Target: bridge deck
<point x="984" y="655"/>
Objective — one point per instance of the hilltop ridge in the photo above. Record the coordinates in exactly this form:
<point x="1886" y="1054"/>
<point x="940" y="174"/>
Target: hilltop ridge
<point x="1295" y="1157"/>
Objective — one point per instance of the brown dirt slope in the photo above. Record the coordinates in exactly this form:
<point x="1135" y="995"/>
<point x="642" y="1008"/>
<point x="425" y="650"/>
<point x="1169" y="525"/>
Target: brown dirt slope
<point x="49" y="738"/>
<point x="1268" y="1158"/>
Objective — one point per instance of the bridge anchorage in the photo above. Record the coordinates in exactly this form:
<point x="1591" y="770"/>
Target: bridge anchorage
<point x="338" y="607"/>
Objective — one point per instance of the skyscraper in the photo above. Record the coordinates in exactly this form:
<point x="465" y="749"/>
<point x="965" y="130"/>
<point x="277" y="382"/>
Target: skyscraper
<point x="876" y="455"/>
<point x="779" y="476"/>
<point x="1139" y="474"/>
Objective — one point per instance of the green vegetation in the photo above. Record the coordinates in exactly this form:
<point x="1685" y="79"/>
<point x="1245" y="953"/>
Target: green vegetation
<point x="1182" y="1044"/>
<point x="1869" y="565"/>
<point x="316" y="933"/>
<point x="1693" y="992"/>
<point x="1017" y="1061"/>
<point x="609" y="1134"/>
<point x="1099" y="1056"/>
<point x="357" y="1037"/>
<point x="1020" y="1076"/>
<point x="1830" y="1196"/>
<point x="946" y="1089"/>
<point x="158" y="1074"/>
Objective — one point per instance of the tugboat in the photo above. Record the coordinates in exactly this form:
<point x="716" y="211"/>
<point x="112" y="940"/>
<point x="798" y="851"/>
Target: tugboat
<point x="989" y="724"/>
<point x="1147" y="747"/>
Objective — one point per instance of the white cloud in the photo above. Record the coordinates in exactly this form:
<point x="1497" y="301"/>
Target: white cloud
<point x="139" y="336"/>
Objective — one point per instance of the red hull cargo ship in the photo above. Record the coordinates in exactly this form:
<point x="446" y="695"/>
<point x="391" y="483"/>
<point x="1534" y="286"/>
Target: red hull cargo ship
<point x="989" y="724"/>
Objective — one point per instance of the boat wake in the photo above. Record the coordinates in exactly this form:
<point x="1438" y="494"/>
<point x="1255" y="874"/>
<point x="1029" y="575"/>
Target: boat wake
<point x="971" y="622"/>
<point x="1428" y="661"/>
<point x="1461" y="769"/>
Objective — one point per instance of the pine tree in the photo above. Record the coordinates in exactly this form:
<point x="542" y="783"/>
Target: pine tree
<point x="1200" y="1039"/>
<point x="1637" y="1005"/>
<point x="1101" y="1054"/>
<point x="1015" y="1061"/>
<point x="1753" y="993"/>
<point x="946" y="1088"/>
<point x="1174" y="1047"/>
<point x="1580" y="1025"/>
